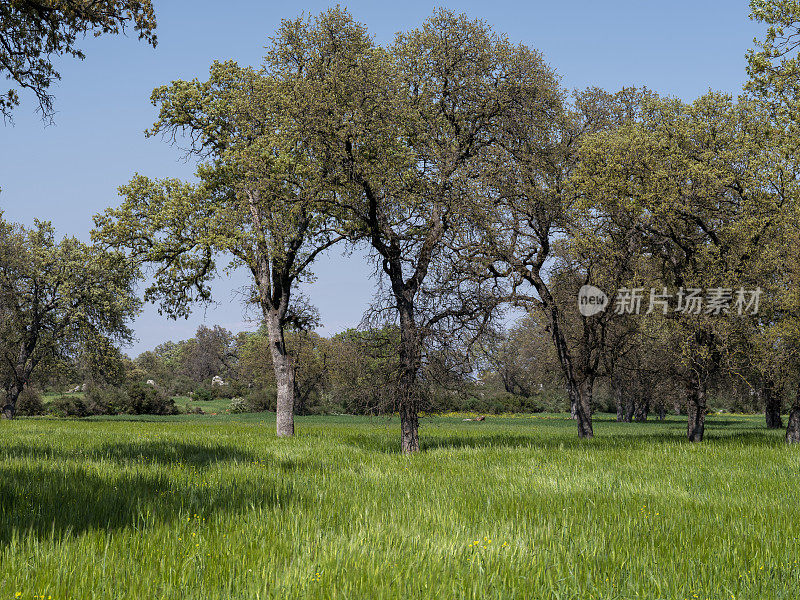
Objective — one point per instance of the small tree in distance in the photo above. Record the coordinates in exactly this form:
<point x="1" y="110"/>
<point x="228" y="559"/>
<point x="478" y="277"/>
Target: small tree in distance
<point x="57" y="298"/>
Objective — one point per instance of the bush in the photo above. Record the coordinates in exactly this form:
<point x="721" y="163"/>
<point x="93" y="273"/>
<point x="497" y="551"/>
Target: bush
<point x="67" y="406"/>
<point x="180" y="386"/>
<point x="29" y="403"/>
<point x="262" y="400"/>
<point x="105" y="400"/>
<point x="223" y="391"/>
<point x="238" y="405"/>
<point x="202" y="394"/>
<point x="143" y="399"/>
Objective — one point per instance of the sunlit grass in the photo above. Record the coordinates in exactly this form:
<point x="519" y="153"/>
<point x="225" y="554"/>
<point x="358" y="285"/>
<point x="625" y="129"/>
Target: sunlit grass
<point x="513" y="507"/>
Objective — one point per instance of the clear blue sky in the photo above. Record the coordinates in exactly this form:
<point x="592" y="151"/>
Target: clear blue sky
<point x="69" y="171"/>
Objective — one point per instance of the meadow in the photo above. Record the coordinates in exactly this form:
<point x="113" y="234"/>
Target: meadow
<point x="202" y="506"/>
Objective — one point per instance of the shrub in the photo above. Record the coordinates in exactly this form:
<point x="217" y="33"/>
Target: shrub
<point x="238" y="405"/>
<point x="262" y="400"/>
<point x="29" y="403"/>
<point x="222" y="391"/>
<point x="202" y="394"/>
<point x="143" y="399"/>
<point x="67" y="406"/>
<point x="105" y="400"/>
<point x="180" y="386"/>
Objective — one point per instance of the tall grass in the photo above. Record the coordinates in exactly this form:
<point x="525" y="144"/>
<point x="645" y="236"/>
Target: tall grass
<point x="218" y="507"/>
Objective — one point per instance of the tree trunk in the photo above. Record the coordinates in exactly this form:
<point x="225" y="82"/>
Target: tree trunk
<point x="619" y="401"/>
<point x="696" y="410"/>
<point x="793" y="427"/>
<point x="573" y="403"/>
<point x="642" y="409"/>
<point x="409" y="426"/>
<point x="662" y="411"/>
<point x="580" y="397"/>
<point x="9" y="409"/>
<point x="584" y="409"/>
<point x="772" y="407"/>
<point x="409" y="364"/>
<point x="580" y="403"/>
<point x="630" y="408"/>
<point x="284" y="375"/>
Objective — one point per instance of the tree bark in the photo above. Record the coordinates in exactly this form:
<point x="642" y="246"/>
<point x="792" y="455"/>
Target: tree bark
<point x="580" y="404"/>
<point x="793" y="427"/>
<point x="9" y="410"/>
<point x="284" y="375"/>
<point x="580" y="397"/>
<point x="409" y="365"/>
<point x="696" y="410"/>
<point x="617" y="391"/>
<point x="642" y="408"/>
<point x="584" y="409"/>
<point x="772" y="407"/>
<point x="630" y="408"/>
<point x="573" y="403"/>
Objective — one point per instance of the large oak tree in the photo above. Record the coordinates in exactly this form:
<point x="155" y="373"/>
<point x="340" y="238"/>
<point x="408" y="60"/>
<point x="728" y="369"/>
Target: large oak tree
<point x="254" y="200"/>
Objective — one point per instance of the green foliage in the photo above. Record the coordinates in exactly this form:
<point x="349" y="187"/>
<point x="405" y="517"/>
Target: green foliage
<point x="30" y="403"/>
<point x="239" y="405"/>
<point x="67" y="406"/>
<point x="203" y="394"/>
<point x="143" y="399"/>
<point x="773" y="64"/>
<point x="60" y="299"/>
<point x="33" y="32"/>
<point x="262" y="400"/>
<point x="105" y="400"/>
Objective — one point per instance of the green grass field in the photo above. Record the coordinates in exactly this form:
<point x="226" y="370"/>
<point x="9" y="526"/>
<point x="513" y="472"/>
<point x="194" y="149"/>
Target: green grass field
<point x="514" y="507"/>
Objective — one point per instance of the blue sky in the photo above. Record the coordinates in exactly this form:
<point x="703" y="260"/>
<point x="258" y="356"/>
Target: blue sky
<point x="69" y="171"/>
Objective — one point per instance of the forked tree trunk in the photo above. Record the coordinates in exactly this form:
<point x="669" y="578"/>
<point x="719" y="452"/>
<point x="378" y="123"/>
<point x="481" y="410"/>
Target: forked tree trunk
<point x="772" y="407"/>
<point x="642" y="409"/>
<point x="284" y="376"/>
<point x="696" y="410"/>
<point x="630" y="408"/>
<point x="793" y="427"/>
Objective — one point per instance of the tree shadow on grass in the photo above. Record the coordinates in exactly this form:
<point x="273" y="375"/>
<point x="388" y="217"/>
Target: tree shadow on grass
<point x="162" y="452"/>
<point x="51" y="501"/>
<point x="630" y="436"/>
<point x="167" y="453"/>
<point x="710" y="422"/>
